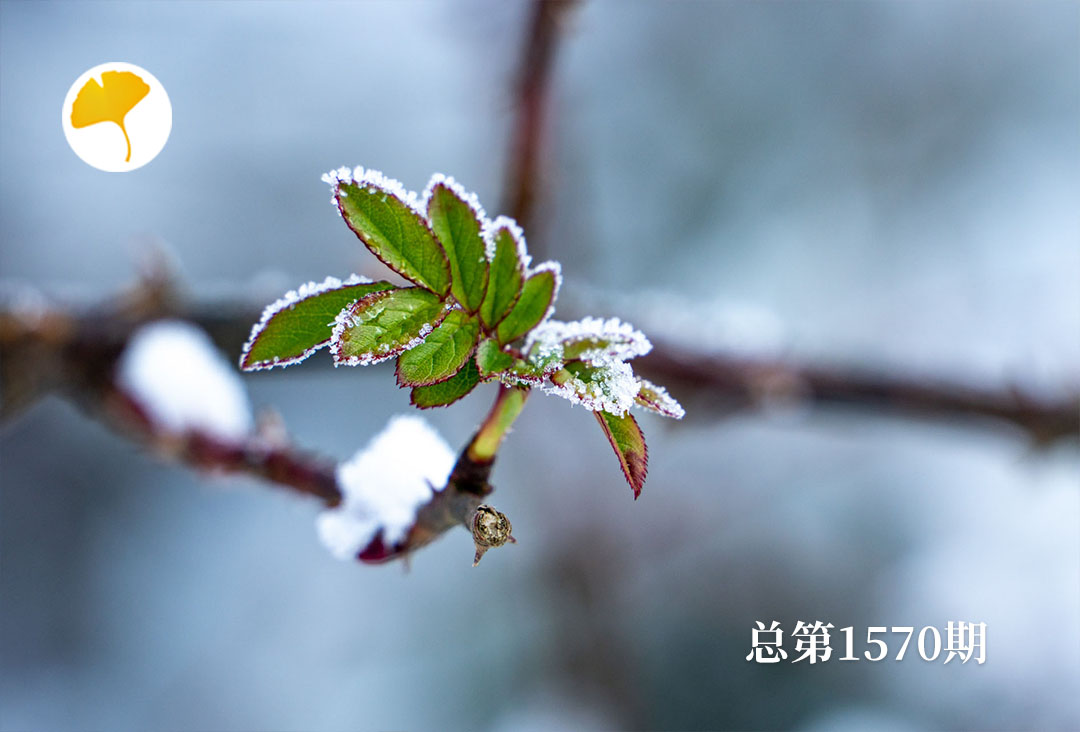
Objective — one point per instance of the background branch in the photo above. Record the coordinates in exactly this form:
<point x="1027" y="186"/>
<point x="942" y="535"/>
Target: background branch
<point x="523" y="175"/>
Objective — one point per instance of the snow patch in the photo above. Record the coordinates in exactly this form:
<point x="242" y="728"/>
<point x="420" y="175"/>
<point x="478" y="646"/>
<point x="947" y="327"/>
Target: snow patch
<point x="384" y="485"/>
<point x="288" y="300"/>
<point x="174" y="372"/>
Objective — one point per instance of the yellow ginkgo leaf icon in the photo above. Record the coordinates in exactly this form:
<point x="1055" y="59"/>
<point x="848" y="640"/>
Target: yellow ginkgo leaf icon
<point x="109" y="101"/>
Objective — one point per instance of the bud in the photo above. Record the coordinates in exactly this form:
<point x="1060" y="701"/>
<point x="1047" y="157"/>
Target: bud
<point x="489" y="528"/>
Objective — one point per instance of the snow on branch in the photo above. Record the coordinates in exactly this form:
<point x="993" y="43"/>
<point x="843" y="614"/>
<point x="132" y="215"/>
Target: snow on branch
<point x="384" y="485"/>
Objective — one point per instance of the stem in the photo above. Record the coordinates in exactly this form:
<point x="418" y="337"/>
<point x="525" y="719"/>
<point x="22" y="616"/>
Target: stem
<point x="128" y="141"/>
<point x="507" y="407"/>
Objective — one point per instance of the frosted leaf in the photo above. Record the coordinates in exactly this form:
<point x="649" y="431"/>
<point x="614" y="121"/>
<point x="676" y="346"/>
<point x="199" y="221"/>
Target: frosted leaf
<point x="459" y="191"/>
<point x="609" y="386"/>
<point x="547" y="357"/>
<point x="500" y="222"/>
<point x="516" y="376"/>
<point x="384" y="485"/>
<point x="589" y="339"/>
<point x="372" y="179"/>
<point x="385" y="340"/>
<point x="173" y="371"/>
<point x="556" y="270"/>
<point x="288" y="300"/>
<point x="656" y="399"/>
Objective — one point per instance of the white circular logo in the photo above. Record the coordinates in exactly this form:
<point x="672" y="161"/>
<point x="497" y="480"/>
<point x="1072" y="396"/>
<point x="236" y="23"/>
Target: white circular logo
<point x="117" y="117"/>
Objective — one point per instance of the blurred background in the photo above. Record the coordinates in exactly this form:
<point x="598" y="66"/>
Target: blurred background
<point x="888" y="185"/>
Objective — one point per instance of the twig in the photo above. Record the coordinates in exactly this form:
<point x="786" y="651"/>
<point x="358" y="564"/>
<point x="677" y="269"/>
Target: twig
<point x="523" y="176"/>
<point x="76" y="354"/>
<point x="733" y="383"/>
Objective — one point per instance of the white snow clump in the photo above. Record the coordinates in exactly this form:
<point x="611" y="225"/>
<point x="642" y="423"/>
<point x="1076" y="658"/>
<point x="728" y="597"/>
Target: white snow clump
<point x="384" y="485"/>
<point x="174" y="372"/>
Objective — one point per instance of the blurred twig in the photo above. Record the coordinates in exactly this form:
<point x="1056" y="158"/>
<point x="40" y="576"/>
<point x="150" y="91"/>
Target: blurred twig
<point x="74" y="354"/>
<point x="727" y="383"/>
<point x="523" y="176"/>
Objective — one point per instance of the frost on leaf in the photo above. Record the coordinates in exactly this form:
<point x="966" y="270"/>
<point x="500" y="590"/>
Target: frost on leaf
<point x="173" y="372"/>
<point x="392" y="225"/>
<point x="491" y="359"/>
<point x="443" y="352"/>
<point x="590" y="339"/>
<point x="302" y="321"/>
<point x="509" y="260"/>
<point x="457" y="219"/>
<point x="656" y="399"/>
<point x="609" y="386"/>
<point x="534" y="305"/>
<point x="383" y="325"/>
<point x="383" y="486"/>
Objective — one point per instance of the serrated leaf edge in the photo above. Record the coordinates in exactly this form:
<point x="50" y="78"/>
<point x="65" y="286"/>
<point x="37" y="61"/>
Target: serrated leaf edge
<point x="345" y="319"/>
<point x="473" y="202"/>
<point x="623" y="463"/>
<point x="666" y="406"/>
<point x="374" y="179"/>
<point x="472" y="352"/>
<point x="286" y="301"/>
<point x="489" y="229"/>
<point x="556" y="270"/>
<point x="412" y="393"/>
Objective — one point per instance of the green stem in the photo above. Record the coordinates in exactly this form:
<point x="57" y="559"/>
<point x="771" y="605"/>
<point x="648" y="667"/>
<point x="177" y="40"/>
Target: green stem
<point x="507" y="407"/>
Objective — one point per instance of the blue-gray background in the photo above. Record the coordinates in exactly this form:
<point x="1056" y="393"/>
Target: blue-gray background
<point x="882" y="184"/>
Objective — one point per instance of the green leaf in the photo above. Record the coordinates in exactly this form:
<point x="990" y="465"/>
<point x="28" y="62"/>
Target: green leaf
<point x="443" y="352"/>
<point x="656" y="399"/>
<point x="457" y="224"/>
<point x="537" y="295"/>
<point x="301" y="322"/>
<point x="449" y="391"/>
<point x="395" y="233"/>
<point x="491" y="359"/>
<point x="507" y="272"/>
<point x="385" y="324"/>
<point x="628" y="442"/>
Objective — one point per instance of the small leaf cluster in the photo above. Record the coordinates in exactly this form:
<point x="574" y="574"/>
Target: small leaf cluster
<point x="476" y="310"/>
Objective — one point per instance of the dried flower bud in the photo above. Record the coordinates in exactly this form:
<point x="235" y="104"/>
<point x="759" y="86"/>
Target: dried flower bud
<point x="490" y="528"/>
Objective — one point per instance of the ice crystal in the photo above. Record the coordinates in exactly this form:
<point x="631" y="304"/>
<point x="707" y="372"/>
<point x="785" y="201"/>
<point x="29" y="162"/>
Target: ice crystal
<point x="610" y="386"/>
<point x="488" y="230"/>
<point x="656" y="397"/>
<point x="467" y="196"/>
<point x="595" y="339"/>
<point x="371" y="180"/>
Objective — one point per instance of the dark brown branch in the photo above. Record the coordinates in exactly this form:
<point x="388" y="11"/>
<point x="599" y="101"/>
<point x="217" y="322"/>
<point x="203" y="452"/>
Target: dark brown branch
<point x="75" y="354"/>
<point x="523" y="175"/>
<point x="734" y="383"/>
